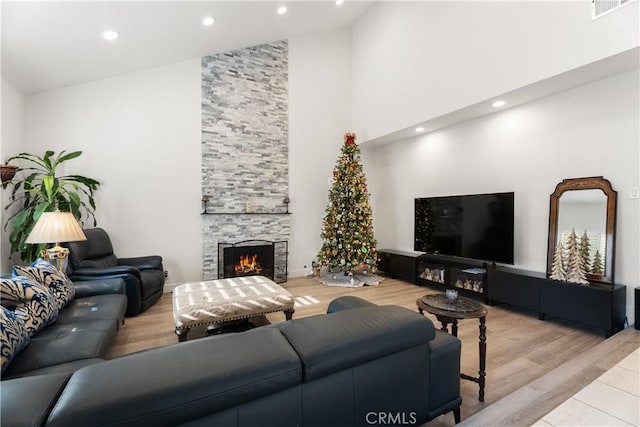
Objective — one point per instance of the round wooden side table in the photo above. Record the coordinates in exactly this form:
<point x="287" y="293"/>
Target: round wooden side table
<point x="449" y="312"/>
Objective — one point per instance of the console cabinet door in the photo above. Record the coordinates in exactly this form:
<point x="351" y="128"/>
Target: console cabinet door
<point x="589" y="305"/>
<point x="513" y="288"/>
<point x="398" y="266"/>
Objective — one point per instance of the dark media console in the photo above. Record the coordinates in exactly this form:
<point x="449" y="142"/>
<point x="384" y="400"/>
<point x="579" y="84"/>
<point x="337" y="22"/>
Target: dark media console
<point x="597" y="305"/>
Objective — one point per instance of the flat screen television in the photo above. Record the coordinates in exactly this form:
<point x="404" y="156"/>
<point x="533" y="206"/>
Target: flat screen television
<point x="478" y="226"/>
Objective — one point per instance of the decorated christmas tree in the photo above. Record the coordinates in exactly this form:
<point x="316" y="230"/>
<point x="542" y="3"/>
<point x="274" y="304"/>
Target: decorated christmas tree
<point x="585" y="250"/>
<point x="575" y="270"/>
<point x="347" y="234"/>
<point x="558" y="270"/>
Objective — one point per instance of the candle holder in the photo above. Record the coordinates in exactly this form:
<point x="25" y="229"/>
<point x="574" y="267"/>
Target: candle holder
<point x="286" y="201"/>
<point x="205" y="200"/>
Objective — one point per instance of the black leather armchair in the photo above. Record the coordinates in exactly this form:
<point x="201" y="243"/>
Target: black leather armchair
<point x="93" y="259"/>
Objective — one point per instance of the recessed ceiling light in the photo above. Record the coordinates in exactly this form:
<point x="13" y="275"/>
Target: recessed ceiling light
<point x="419" y="129"/>
<point x="208" y="21"/>
<point x="339" y="2"/>
<point x="282" y="10"/>
<point x="498" y="103"/>
<point x="110" y="35"/>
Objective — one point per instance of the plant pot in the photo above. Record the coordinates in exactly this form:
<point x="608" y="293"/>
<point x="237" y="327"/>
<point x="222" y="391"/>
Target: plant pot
<point x="8" y="172"/>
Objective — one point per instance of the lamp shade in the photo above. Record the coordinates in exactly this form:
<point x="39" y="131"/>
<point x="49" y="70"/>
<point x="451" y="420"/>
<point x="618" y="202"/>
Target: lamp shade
<point x="56" y="227"/>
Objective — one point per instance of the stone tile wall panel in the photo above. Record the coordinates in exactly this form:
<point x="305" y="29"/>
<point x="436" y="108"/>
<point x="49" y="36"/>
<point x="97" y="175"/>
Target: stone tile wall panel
<point x="244" y="146"/>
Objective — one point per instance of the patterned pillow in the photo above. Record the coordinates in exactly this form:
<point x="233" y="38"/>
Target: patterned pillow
<point x="30" y="301"/>
<point x="46" y="274"/>
<point x="13" y="336"/>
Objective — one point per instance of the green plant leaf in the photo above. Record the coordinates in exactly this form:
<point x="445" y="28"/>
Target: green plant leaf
<point x="42" y="207"/>
<point x="49" y="187"/>
<point x="72" y="155"/>
<point x="89" y="182"/>
<point x="20" y="218"/>
<point x="29" y="157"/>
<point x="74" y="199"/>
<point x="47" y="160"/>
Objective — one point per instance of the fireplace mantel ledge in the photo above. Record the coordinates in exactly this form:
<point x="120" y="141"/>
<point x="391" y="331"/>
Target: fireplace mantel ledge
<point x="246" y="213"/>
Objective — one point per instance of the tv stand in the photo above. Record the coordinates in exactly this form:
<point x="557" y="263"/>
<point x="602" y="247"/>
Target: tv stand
<point x="596" y="305"/>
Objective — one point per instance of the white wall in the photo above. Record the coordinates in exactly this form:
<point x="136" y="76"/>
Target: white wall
<point x="12" y="125"/>
<point x="592" y="130"/>
<point x="414" y="61"/>
<point x="319" y="115"/>
<point x="140" y="136"/>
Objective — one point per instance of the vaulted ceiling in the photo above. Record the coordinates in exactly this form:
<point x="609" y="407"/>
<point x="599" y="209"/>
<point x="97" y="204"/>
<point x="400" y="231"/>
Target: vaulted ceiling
<point x="53" y="44"/>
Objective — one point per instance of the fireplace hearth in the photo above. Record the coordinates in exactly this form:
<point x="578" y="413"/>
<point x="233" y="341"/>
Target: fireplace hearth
<point x="252" y="258"/>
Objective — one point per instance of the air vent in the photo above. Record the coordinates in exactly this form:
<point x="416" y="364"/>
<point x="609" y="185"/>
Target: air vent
<point x="602" y="7"/>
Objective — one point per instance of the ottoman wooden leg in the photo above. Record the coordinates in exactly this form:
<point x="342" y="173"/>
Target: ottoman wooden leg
<point x="182" y="334"/>
<point x="288" y="314"/>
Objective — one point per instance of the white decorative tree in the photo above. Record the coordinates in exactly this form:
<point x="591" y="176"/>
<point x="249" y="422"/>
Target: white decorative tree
<point x="575" y="270"/>
<point x="558" y="270"/>
<point x="596" y="266"/>
<point x="585" y="252"/>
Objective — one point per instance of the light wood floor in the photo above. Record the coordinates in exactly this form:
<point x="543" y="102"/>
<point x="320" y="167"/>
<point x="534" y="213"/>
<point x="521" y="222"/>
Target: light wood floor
<point x="520" y="348"/>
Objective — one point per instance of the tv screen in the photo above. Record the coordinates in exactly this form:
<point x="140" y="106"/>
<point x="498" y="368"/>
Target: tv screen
<point x="478" y="226"/>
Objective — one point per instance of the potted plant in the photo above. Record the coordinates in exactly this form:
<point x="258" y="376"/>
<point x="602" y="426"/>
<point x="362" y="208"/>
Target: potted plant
<point x="37" y="189"/>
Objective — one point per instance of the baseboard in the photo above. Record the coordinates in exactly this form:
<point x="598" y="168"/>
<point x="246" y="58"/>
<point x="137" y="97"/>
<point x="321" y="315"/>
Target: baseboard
<point x="298" y="273"/>
<point x="168" y="287"/>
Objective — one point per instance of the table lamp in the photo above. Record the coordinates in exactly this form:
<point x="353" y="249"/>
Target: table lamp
<point x="56" y="227"/>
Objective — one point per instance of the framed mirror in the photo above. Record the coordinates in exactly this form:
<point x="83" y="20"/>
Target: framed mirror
<point x="588" y="207"/>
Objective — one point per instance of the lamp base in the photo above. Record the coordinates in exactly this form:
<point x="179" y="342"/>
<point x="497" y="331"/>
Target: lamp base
<point x="56" y="256"/>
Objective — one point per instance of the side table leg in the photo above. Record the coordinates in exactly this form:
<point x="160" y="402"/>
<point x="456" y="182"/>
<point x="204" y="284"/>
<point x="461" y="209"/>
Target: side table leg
<point x="444" y="321"/>
<point x="483" y="357"/>
<point x="454" y="327"/>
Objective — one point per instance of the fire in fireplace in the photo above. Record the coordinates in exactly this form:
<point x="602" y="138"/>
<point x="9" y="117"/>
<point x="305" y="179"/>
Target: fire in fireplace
<point x="253" y="257"/>
<point x="248" y="265"/>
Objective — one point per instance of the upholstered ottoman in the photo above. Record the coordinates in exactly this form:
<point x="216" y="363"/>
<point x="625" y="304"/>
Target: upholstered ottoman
<point x="217" y="301"/>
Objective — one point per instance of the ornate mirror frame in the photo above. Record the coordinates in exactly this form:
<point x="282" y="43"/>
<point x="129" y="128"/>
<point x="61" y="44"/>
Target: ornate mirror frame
<point x="591" y="183"/>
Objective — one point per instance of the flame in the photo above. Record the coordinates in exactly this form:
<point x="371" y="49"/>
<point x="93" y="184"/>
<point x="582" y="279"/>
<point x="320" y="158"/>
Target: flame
<point x="248" y="264"/>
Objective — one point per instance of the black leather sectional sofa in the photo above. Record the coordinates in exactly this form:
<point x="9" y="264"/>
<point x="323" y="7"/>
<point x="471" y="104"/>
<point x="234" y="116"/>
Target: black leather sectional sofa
<point x="355" y="366"/>
<point x="81" y="335"/>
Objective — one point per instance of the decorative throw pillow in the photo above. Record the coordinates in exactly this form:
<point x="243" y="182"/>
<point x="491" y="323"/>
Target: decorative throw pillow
<point x="48" y="275"/>
<point x="13" y="336"/>
<point x="30" y="301"/>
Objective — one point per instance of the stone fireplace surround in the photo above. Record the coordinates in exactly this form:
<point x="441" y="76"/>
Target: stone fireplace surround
<point x="232" y="228"/>
<point x="245" y="165"/>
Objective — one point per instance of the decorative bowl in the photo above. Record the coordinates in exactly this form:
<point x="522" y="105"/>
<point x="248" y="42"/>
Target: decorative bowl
<point x="451" y="294"/>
